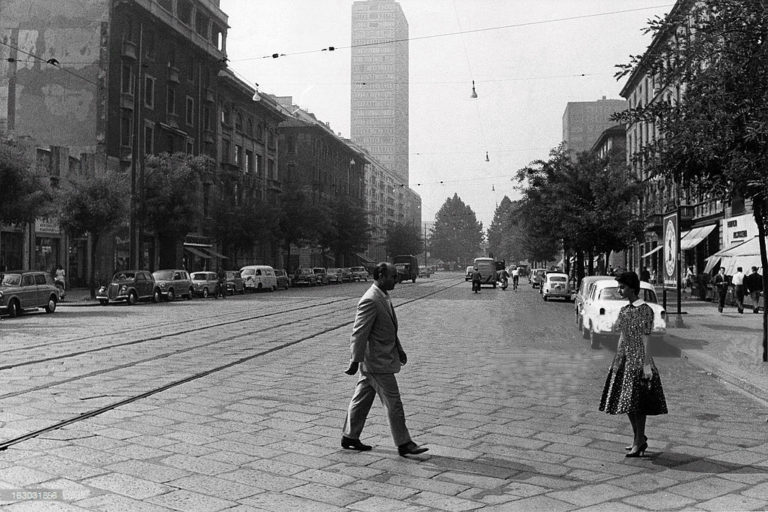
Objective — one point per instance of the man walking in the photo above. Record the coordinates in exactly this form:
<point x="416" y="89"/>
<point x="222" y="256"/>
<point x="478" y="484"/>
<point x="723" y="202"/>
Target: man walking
<point x="721" y="285"/>
<point x="754" y="285"/>
<point x="378" y="354"/>
<point x="738" y="288"/>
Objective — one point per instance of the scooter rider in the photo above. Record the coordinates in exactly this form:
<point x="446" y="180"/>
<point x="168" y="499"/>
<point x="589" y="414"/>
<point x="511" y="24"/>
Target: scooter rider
<point x="504" y="278"/>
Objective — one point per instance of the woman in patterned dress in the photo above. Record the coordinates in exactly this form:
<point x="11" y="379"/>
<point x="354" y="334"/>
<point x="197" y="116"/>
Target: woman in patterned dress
<point x="633" y="385"/>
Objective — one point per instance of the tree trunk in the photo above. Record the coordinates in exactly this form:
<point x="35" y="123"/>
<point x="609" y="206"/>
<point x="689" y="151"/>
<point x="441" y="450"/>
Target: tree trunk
<point x="757" y="209"/>
<point x="92" y="277"/>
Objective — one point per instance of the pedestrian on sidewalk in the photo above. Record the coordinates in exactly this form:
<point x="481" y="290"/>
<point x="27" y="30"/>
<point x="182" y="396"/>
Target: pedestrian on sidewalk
<point x="645" y="275"/>
<point x="378" y="354"/>
<point x="738" y="288"/>
<point x="633" y="385"/>
<point x="754" y="284"/>
<point x="721" y="285"/>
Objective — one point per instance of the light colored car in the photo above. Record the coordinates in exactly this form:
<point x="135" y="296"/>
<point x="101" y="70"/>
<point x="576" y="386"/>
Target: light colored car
<point x="359" y="274"/>
<point x="174" y="283"/>
<point x="468" y="273"/>
<point x="602" y="306"/>
<point x="346" y="274"/>
<point x="205" y="283"/>
<point x="424" y="272"/>
<point x="259" y="278"/>
<point x="581" y="294"/>
<point x="537" y="277"/>
<point x="27" y="289"/>
<point x="321" y="275"/>
<point x="556" y="285"/>
<point x="129" y="286"/>
<point x="334" y="275"/>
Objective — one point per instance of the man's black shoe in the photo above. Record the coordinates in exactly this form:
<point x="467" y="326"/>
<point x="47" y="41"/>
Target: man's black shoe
<point x="410" y="448"/>
<point x="353" y="444"/>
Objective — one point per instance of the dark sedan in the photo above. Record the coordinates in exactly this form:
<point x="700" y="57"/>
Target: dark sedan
<point x="130" y="286"/>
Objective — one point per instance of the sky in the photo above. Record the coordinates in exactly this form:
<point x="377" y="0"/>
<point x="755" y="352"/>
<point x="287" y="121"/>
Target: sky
<point x="528" y="59"/>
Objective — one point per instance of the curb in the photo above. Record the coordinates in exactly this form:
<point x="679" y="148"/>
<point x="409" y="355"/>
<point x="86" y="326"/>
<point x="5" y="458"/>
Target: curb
<point x="723" y="373"/>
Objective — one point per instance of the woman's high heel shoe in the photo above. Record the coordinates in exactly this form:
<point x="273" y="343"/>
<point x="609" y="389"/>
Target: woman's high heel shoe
<point x="639" y="452"/>
<point x="628" y="448"/>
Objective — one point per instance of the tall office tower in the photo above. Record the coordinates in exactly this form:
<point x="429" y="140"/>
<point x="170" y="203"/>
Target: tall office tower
<point x="584" y="121"/>
<point x="379" y="110"/>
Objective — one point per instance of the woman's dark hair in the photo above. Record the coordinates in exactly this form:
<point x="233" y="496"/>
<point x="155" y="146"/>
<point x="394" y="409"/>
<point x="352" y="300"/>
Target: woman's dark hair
<point x="630" y="280"/>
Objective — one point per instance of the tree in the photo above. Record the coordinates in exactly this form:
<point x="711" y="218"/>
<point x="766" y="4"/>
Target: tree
<point x="26" y="194"/>
<point x="352" y="231"/>
<point x="302" y="222"/>
<point x="457" y="234"/>
<point x="709" y="61"/>
<point x="172" y="203"/>
<point x="497" y="233"/>
<point x="403" y="239"/>
<point x="239" y="225"/>
<point x="94" y="205"/>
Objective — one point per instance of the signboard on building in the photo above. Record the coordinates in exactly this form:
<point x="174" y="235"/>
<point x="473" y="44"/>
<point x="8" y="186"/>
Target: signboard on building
<point x="671" y="250"/>
<point x="739" y="229"/>
<point x="47" y="227"/>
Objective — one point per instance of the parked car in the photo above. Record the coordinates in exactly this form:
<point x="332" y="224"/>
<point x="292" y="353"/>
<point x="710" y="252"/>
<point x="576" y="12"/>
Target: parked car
<point x="129" y="286"/>
<point x="468" y="273"/>
<point x="205" y="283"/>
<point x="537" y="277"/>
<point x="304" y="276"/>
<point x="424" y="272"/>
<point x="580" y="296"/>
<point x="174" y="283"/>
<point x="27" y="289"/>
<point x="334" y="275"/>
<point x="602" y="306"/>
<point x="235" y="283"/>
<point x="346" y="274"/>
<point x="282" y="278"/>
<point x="556" y="285"/>
<point x="359" y="274"/>
<point x="259" y="278"/>
<point x="321" y="274"/>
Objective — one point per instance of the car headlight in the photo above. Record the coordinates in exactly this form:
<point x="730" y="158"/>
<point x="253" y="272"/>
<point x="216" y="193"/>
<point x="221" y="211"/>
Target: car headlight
<point x="102" y="289"/>
<point x="1" y="295"/>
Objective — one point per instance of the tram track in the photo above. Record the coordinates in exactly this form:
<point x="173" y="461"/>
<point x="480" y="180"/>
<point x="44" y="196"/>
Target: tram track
<point x="260" y="352"/>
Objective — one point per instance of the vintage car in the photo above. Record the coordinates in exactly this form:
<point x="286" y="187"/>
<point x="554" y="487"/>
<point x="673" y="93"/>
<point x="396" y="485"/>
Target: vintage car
<point x="468" y="273"/>
<point x="129" y="286"/>
<point x="556" y="285"/>
<point x="581" y="294"/>
<point x="235" y="283"/>
<point x="424" y="272"/>
<point x="346" y="274"/>
<point x="174" y="283"/>
<point x="259" y="278"/>
<point x="359" y="274"/>
<point x="205" y="283"/>
<point x="537" y="277"/>
<point x="321" y="275"/>
<point x="601" y="310"/>
<point x="304" y="276"/>
<point x="283" y="280"/>
<point x="27" y="289"/>
<point x="334" y="275"/>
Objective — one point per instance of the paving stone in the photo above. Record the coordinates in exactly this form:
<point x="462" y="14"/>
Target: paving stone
<point x="150" y="471"/>
<point x="533" y="504"/>
<point x="381" y="504"/>
<point x="61" y="466"/>
<point x="127" y="485"/>
<point x="442" y="502"/>
<point x="262" y="479"/>
<point x="732" y="502"/>
<point x="590" y="494"/>
<point x="327" y="494"/>
<point x="23" y="477"/>
<point x="219" y="487"/>
<point x="387" y="490"/>
<point x="186" y="501"/>
<point x="278" y="502"/>
<point x="117" y="503"/>
<point x="659" y="500"/>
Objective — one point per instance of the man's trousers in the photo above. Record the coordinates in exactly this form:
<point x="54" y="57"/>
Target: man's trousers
<point x="368" y="386"/>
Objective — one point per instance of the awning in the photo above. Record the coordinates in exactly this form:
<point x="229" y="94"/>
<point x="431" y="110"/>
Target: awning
<point x="215" y="254"/>
<point x="745" y="255"/>
<point x="695" y="236"/>
<point x="656" y="249"/>
<point x="196" y="252"/>
<point x="364" y="259"/>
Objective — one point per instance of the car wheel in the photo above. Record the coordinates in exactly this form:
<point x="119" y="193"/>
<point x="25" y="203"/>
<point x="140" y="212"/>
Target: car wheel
<point x="584" y="332"/>
<point x="156" y="296"/>
<point x="104" y="302"/>
<point x="50" y="307"/>
<point x="191" y="294"/>
<point x="132" y="298"/>
<point x="171" y="295"/>
<point x="545" y="298"/>
<point x="259" y="288"/>
<point x="594" y="339"/>
<point x="205" y="293"/>
<point x="14" y="309"/>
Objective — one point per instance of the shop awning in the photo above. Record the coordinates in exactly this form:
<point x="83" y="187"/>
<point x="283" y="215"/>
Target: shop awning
<point x="656" y="249"/>
<point x="196" y="252"/>
<point x="215" y="254"/>
<point x="695" y="236"/>
<point x="364" y="259"/>
<point x="740" y="255"/>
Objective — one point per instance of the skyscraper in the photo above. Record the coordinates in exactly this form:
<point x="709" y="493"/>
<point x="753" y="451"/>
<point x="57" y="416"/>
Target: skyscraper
<point x="379" y="110"/>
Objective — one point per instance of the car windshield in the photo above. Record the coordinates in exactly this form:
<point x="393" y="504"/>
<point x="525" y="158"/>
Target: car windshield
<point x="559" y="279"/>
<point x="163" y="274"/>
<point x="11" y="280"/>
<point x="247" y="272"/>
<point x="124" y="276"/>
<point x="199" y="277"/>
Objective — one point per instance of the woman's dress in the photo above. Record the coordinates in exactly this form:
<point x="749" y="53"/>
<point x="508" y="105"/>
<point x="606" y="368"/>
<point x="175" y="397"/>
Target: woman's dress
<point x="626" y="391"/>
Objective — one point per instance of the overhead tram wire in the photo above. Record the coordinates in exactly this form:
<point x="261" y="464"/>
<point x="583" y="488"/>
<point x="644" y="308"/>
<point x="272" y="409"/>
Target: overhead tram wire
<point x="51" y="61"/>
<point x="447" y="34"/>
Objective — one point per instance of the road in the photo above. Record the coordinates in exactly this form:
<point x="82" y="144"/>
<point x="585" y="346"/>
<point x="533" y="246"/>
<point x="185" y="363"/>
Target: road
<point x="237" y="405"/>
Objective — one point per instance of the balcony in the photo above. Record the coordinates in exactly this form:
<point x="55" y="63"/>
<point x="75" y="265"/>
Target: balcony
<point x="173" y="74"/>
<point x="129" y="50"/>
<point x="126" y="101"/>
<point x="210" y="96"/>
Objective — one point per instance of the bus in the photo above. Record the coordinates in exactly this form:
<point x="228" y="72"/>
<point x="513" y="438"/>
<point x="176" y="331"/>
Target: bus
<point x="487" y="269"/>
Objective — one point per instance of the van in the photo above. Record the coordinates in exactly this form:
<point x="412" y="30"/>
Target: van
<point x="487" y="269"/>
<point x="259" y="277"/>
<point x="407" y="267"/>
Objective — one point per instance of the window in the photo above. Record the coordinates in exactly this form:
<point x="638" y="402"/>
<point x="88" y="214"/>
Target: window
<point x="149" y="139"/>
<point x="206" y="117"/>
<point x="167" y="5"/>
<point x="149" y="92"/>
<point x="149" y="45"/>
<point x="184" y="11"/>
<point x="126" y="128"/>
<point x="190" y="111"/>
<point x="271" y="169"/>
<point x="201" y="24"/>
<point x="239" y="122"/>
<point x="126" y="80"/>
<point x="226" y="115"/>
<point x="238" y="156"/>
<point x="248" y="161"/>
<point x="170" y="143"/>
<point x="225" y="149"/>
<point x="190" y="146"/>
<point x="171" y="106"/>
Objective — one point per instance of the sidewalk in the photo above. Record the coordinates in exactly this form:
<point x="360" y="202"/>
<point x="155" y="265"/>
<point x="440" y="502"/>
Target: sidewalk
<point x="728" y="344"/>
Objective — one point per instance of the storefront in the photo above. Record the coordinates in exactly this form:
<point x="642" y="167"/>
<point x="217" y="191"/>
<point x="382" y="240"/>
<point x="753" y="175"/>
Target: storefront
<point x="48" y="245"/>
<point x="11" y="249"/>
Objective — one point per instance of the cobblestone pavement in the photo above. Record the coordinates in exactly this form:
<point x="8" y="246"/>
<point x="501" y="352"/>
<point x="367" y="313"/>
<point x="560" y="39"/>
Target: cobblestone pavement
<point x="499" y="385"/>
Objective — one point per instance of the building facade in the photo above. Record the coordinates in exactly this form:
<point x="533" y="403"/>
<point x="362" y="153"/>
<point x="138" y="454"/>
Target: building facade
<point x="379" y="108"/>
<point x="584" y="121"/>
